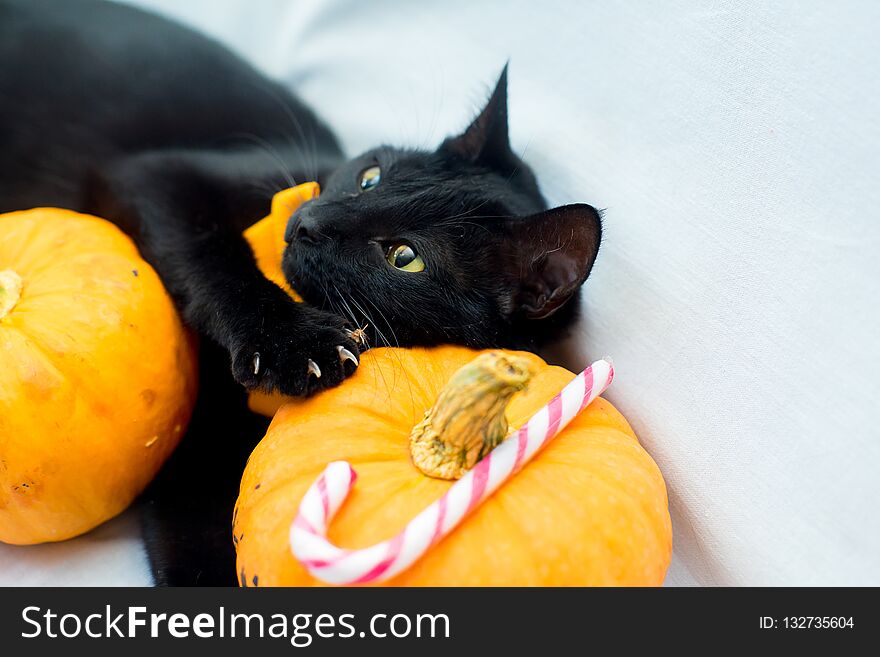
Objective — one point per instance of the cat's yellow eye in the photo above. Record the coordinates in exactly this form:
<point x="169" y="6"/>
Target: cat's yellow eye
<point x="370" y="178"/>
<point x="404" y="257"/>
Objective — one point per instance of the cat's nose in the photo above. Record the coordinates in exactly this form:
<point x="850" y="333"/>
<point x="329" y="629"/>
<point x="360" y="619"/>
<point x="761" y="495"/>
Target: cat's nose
<point x="306" y="232"/>
<point x="302" y="228"/>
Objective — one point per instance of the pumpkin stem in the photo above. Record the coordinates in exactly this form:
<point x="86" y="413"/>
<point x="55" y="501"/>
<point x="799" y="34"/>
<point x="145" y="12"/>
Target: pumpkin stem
<point x="468" y="419"/>
<point x="10" y="291"/>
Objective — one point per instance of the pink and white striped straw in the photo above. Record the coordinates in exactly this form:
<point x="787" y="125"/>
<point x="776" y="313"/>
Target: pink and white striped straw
<point x="380" y="562"/>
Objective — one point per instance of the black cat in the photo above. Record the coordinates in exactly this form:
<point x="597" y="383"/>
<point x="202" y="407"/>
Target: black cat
<point x="109" y="110"/>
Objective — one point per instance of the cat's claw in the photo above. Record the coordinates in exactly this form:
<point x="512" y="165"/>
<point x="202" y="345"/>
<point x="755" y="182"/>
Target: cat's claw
<point x="296" y="351"/>
<point x="346" y="355"/>
<point x="314" y="370"/>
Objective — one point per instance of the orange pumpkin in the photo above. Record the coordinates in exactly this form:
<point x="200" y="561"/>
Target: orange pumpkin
<point x="97" y="374"/>
<point x="590" y="509"/>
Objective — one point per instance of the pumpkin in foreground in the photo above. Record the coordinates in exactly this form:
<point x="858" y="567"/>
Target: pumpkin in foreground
<point x="590" y="509"/>
<point x="97" y="375"/>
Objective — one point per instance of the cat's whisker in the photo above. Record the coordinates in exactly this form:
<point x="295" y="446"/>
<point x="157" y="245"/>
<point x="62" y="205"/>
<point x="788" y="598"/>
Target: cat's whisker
<point x="359" y="335"/>
<point x="272" y="152"/>
<point x="394" y="335"/>
<point x="387" y="323"/>
<point x="469" y="211"/>
<point x="310" y="156"/>
<point x="346" y="308"/>
<point x="379" y="334"/>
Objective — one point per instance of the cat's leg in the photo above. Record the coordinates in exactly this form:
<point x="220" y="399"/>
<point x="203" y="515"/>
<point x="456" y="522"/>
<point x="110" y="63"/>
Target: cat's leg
<point x="184" y="210"/>
<point x="186" y="513"/>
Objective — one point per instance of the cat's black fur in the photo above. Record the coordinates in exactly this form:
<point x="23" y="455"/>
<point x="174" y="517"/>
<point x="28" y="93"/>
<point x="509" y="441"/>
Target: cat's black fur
<point x="109" y="110"/>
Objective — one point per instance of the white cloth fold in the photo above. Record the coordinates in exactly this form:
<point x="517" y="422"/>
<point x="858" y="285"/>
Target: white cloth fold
<point x="735" y="148"/>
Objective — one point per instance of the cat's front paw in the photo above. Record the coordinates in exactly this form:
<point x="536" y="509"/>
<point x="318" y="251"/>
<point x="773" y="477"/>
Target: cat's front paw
<point x="299" y="355"/>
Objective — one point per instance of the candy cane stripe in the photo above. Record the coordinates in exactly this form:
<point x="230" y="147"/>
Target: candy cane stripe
<point x="441" y="517"/>
<point x="322" y="491"/>
<point x="570" y="399"/>
<point x="538" y="427"/>
<point x="418" y="537"/>
<point x="311" y="509"/>
<point x="589" y="383"/>
<point x="458" y="497"/>
<point x="554" y="412"/>
<point x="522" y="441"/>
<point x="503" y="463"/>
<point x="479" y="480"/>
<point x="393" y="548"/>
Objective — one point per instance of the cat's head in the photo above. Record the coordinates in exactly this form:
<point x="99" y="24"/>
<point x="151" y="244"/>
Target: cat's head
<point x="454" y="245"/>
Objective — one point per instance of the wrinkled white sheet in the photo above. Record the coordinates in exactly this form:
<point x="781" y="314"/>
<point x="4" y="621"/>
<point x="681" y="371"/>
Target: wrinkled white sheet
<point x="735" y="147"/>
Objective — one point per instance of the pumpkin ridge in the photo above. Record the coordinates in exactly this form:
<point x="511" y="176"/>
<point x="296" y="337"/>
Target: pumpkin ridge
<point x="647" y="474"/>
<point x="21" y="306"/>
<point x="367" y="512"/>
<point x="34" y="258"/>
<point x="513" y="522"/>
<point x="382" y="416"/>
<point x="342" y="447"/>
<point x="600" y="442"/>
<point x="99" y="253"/>
<point x="399" y="371"/>
<point x="643" y="465"/>
<point x="12" y="327"/>
<point x="416" y="390"/>
<point x="84" y="382"/>
<point x="606" y="414"/>
<point x="25" y="243"/>
<point x="284" y="480"/>
<point x="11" y="285"/>
<point x="36" y="346"/>
<point x="279" y="490"/>
<point x="72" y="284"/>
<point x="565" y="502"/>
<point x="80" y="384"/>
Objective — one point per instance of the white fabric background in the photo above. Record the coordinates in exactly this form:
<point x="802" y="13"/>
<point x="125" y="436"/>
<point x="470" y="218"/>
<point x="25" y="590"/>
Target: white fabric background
<point x="735" y="147"/>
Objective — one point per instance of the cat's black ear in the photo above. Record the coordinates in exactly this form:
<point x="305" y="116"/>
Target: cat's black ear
<point x="486" y="139"/>
<point x="548" y="257"/>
